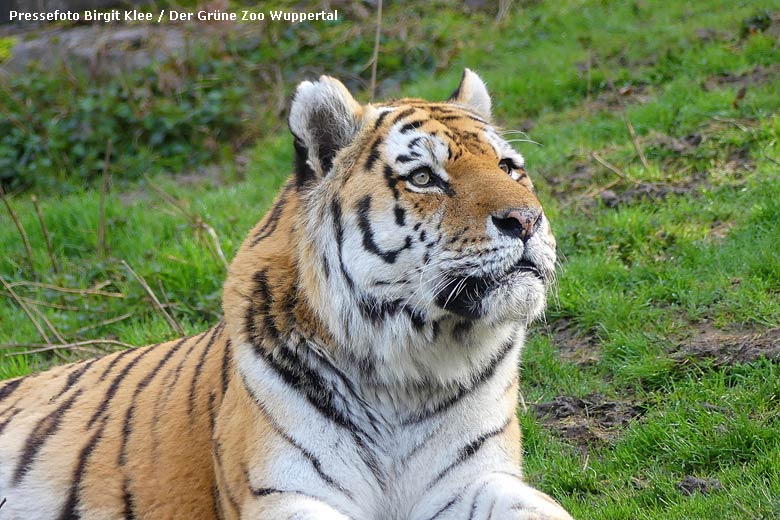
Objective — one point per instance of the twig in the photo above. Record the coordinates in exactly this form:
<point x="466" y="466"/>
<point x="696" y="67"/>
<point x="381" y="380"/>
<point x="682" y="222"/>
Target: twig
<point x="69" y="290"/>
<point x="56" y="349"/>
<point x="375" y="56"/>
<point x="26" y="310"/>
<point x="215" y="240"/>
<point x="82" y="343"/>
<point x="46" y="236"/>
<point x="173" y="323"/>
<point x="19" y="226"/>
<point x="101" y="239"/>
<point x="522" y="402"/>
<point x="103" y="323"/>
<point x="57" y="306"/>
<point x="611" y="167"/>
<point x="49" y="324"/>
<point x="638" y="148"/>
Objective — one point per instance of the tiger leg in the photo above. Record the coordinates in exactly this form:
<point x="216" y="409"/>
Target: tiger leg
<point x="501" y="496"/>
<point x="287" y="505"/>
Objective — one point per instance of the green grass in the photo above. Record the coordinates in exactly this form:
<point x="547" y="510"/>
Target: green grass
<point x="636" y="282"/>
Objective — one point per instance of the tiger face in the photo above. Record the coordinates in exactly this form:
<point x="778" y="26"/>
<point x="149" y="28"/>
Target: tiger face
<point x="427" y="209"/>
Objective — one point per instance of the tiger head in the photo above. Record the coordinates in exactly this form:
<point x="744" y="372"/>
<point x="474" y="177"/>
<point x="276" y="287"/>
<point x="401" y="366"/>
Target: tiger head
<point x="410" y="219"/>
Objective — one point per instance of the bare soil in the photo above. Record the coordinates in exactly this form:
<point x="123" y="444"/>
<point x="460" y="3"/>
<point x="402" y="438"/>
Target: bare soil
<point x="573" y="345"/>
<point x="723" y="348"/>
<point x="690" y="485"/>
<point x="587" y="421"/>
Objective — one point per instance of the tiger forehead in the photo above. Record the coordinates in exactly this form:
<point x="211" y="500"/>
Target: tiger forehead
<point x="446" y="121"/>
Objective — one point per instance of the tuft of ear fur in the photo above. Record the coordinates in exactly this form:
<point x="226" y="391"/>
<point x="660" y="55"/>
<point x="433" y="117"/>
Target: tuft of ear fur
<point x="472" y="94"/>
<point x="324" y="118"/>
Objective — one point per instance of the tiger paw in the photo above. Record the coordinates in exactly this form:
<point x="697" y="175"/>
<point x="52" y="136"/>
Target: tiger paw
<point x="505" y="497"/>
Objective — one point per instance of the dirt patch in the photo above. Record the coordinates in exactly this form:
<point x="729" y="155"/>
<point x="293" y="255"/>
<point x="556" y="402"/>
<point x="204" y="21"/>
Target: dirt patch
<point x="758" y="76"/>
<point x="573" y="345"/>
<point x="617" y="97"/>
<point x="643" y="191"/>
<point x="587" y="421"/>
<point x="722" y="348"/>
<point x="672" y="144"/>
<point x="690" y="485"/>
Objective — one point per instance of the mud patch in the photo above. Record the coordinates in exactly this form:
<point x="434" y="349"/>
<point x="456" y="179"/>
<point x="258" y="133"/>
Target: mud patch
<point x="723" y="349"/>
<point x="690" y="485"/>
<point x="592" y="420"/>
<point x="758" y="76"/>
<point x="617" y="97"/>
<point x="573" y="345"/>
<point x="652" y="191"/>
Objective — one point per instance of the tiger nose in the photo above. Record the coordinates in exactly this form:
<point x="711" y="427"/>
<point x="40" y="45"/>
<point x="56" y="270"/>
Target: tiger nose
<point x="519" y="223"/>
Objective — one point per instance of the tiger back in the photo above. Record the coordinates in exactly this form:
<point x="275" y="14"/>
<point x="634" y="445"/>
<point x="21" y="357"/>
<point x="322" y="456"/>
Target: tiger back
<point x="366" y="364"/>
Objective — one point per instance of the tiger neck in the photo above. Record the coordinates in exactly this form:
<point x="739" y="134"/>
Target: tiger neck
<point x="286" y="301"/>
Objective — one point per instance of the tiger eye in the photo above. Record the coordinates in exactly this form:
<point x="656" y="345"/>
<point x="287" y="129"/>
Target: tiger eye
<point x="505" y="165"/>
<point x="421" y="178"/>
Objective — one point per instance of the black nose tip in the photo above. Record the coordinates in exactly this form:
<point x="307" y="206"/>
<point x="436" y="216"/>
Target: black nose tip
<point x="518" y="223"/>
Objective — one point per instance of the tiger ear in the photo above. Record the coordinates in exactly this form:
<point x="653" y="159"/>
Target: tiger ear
<point x="472" y="94"/>
<point x="324" y="118"/>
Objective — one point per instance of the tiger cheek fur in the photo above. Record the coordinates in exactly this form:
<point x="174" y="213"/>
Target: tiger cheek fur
<point x="366" y="365"/>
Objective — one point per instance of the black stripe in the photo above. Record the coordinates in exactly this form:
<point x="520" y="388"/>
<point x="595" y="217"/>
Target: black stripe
<point x="69" y="511"/>
<point x="273" y="218"/>
<point x="128" y="501"/>
<point x="299" y="373"/>
<point x="262" y="299"/>
<point x="364" y="223"/>
<point x="373" y="153"/>
<point x="400" y="215"/>
<point x="44" y="428"/>
<point x="113" y="362"/>
<point x="413" y="125"/>
<point x="8" y="419"/>
<point x="127" y="429"/>
<point x="469" y="450"/>
<point x="392" y="181"/>
<point x="446" y="507"/>
<point x="309" y="456"/>
<point x="380" y="120"/>
<point x="266" y="491"/>
<point x="225" y="372"/>
<point x="177" y="371"/>
<point x="335" y="208"/>
<point x="217" y="453"/>
<point x="471" y="386"/>
<point x="9" y="388"/>
<point x="475" y="500"/>
<point x="199" y="369"/>
<point x="115" y="386"/>
<point x="72" y="378"/>
<point x="402" y="114"/>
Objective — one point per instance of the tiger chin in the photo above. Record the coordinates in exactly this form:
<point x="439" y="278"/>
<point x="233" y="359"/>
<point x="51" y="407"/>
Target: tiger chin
<point x="366" y="365"/>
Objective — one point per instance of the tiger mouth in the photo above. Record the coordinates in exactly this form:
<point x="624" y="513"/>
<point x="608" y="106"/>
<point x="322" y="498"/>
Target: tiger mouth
<point x="462" y="294"/>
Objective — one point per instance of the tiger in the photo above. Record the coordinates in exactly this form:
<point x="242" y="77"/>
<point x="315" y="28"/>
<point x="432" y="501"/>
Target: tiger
<point x="366" y="364"/>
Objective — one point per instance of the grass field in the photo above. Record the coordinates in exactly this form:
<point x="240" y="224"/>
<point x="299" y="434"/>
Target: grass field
<point x="652" y="389"/>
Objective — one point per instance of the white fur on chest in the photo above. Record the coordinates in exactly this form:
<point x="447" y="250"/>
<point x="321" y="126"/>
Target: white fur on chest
<point x="392" y="466"/>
